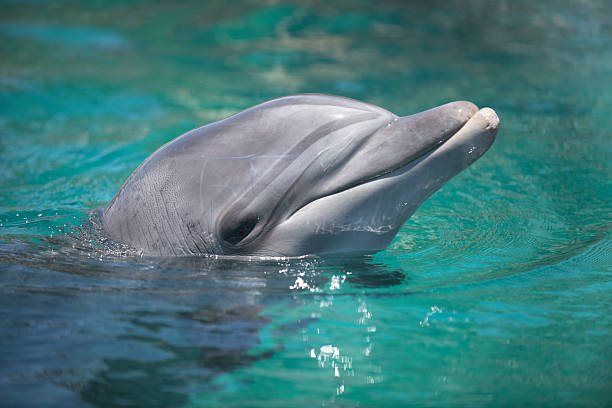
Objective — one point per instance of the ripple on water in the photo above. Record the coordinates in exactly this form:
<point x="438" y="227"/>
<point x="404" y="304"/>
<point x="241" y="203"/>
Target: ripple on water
<point x="66" y="35"/>
<point x="463" y="236"/>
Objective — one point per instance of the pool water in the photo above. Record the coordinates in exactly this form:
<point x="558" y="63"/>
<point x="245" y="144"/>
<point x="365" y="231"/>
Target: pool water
<point x="497" y="292"/>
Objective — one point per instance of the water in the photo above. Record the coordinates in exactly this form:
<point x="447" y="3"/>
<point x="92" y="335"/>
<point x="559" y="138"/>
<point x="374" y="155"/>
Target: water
<point x="495" y="293"/>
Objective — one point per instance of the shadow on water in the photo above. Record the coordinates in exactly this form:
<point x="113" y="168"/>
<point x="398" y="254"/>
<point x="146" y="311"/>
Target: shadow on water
<point x="216" y="340"/>
<point x="147" y="331"/>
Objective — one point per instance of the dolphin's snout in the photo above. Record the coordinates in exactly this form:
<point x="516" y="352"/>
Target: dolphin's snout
<point x="473" y="139"/>
<point x="461" y="111"/>
<point x="432" y="127"/>
<point x="450" y="117"/>
<point x="490" y="118"/>
<point x="485" y="123"/>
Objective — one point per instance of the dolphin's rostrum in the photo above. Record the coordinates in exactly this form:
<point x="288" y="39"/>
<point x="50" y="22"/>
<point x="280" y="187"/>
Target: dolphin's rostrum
<point x="298" y="175"/>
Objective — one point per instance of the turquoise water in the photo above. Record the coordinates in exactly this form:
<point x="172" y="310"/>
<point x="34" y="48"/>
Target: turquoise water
<point x="497" y="292"/>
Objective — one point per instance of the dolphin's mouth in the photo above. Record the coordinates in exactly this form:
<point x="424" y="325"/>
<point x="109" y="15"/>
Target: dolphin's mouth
<point x="484" y="122"/>
<point x="476" y="135"/>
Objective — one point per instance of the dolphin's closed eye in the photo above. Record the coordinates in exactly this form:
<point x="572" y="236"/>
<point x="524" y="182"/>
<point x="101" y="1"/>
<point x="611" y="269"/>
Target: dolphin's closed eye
<point x="234" y="234"/>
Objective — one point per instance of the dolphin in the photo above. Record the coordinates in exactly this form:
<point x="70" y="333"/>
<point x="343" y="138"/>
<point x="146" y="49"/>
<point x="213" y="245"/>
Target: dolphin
<point x="307" y="174"/>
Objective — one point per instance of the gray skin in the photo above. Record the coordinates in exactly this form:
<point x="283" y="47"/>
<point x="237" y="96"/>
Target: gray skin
<point x="298" y="175"/>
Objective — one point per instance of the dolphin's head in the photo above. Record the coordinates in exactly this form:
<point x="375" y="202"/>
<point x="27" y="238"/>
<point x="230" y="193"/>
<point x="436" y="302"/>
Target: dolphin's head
<point x="305" y="174"/>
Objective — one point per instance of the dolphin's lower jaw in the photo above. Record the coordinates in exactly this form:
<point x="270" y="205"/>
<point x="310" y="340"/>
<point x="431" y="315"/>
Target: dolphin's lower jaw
<point x="380" y="206"/>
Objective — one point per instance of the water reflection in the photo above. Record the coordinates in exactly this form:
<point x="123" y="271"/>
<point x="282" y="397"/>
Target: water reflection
<point x="350" y="360"/>
<point x="152" y="328"/>
<point x="364" y="272"/>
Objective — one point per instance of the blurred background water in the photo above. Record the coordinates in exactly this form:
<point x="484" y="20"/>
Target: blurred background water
<point x="496" y="292"/>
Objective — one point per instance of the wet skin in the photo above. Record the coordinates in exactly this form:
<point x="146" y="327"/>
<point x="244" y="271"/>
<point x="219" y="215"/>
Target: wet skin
<point x="298" y="175"/>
